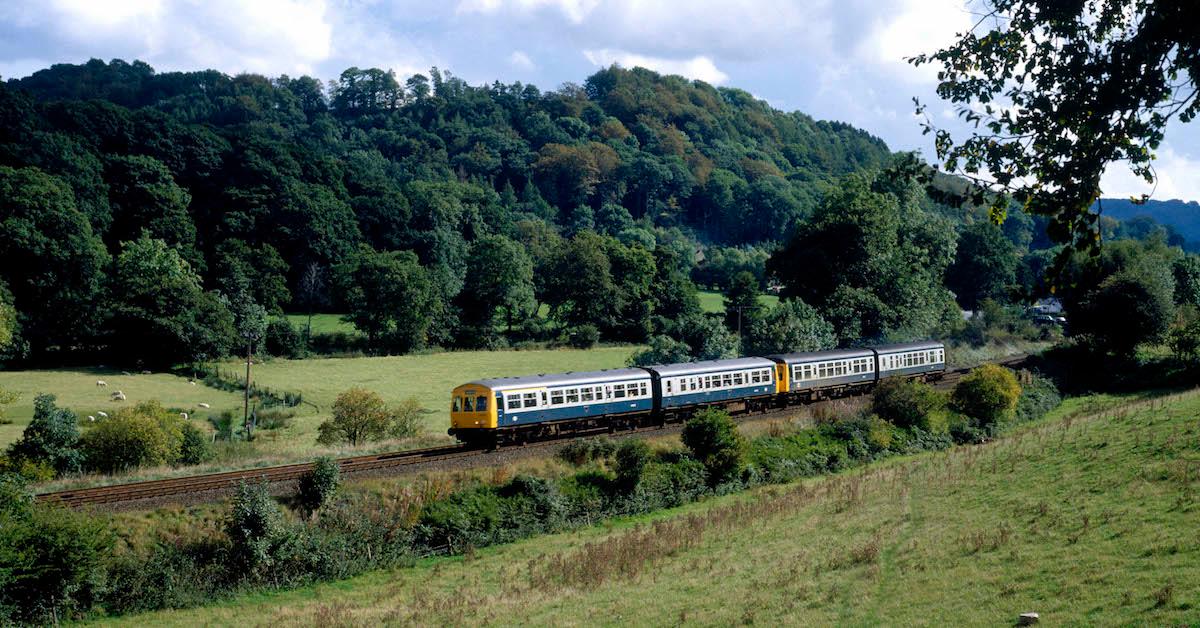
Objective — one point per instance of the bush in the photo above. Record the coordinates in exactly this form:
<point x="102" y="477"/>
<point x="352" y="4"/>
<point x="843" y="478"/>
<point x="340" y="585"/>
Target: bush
<point x="53" y="561"/>
<point x="712" y="438"/>
<point x="51" y="438"/>
<point x="252" y="525"/>
<point x="406" y="419"/>
<point x="194" y="447"/>
<point x="273" y="419"/>
<point x="906" y="403"/>
<point x="144" y="435"/>
<point x="584" y="450"/>
<point x="1038" y="397"/>
<point x="987" y="395"/>
<point x="319" y="484"/>
<point x="283" y="340"/>
<point x="584" y="337"/>
<point x="631" y="459"/>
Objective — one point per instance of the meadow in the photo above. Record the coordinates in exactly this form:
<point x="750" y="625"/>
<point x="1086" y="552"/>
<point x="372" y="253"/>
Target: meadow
<point x="1086" y="517"/>
<point x="429" y="378"/>
<point x="713" y="302"/>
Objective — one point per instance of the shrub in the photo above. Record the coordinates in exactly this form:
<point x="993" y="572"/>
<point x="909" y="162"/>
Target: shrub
<point x="712" y="438"/>
<point x="359" y="415"/>
<point x="273" y="419"/>
<point x="194" y="447"/>
<point x="906" y="403"/>
<point x="143" y="435"/>
<point x="319" y="484"/>
<point x="406" y="419"/>
<point x="225" y="425"/>
<point x="631" y="459"/>
<point x="987" y="394"/>
<point x="51" y="438"/>
<point x="252" y="525"/>
<point x="1038" y="397"/>
<point x="584" y="337"/>
<point x="283" y="340"/>
<point x="53" y="561"/>
<point x="584" y="450"/>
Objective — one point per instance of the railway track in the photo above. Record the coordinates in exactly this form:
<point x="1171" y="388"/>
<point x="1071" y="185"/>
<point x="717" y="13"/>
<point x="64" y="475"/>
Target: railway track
<point x="219" y="484"/>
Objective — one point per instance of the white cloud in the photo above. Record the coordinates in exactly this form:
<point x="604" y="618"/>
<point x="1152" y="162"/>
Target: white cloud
<point x="574" y="10"/>
<point x="1178" y="176"/>
<point x="699" y="67"/>
<point x="268" y="36"/>
<point x="520" y="60"/>
<point x="915" y="27"/>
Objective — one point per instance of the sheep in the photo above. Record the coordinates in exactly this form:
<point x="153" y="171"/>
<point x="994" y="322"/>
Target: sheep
<point x="102" y="414"/>
<point x="204" y="405"/>
<point x="101" y="383"/>
<point x="183" y="415"/>
<point x="91" y="418"/>
<point x="126" y="373"/>
<point x="145" y="372"/>
<point x="192" y="381"/>
<point x="118" y="396"/>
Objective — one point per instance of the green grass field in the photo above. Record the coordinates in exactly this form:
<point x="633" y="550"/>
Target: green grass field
<point x="322" y="323"/>
<point x="76" y="389"/>
<point x="429" y="378"/>
<point x="714" y="302"/>
<point x="1087" y="517"/>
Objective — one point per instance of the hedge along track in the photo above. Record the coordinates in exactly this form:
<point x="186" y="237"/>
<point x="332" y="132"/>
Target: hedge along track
<point x="214" y="486"/>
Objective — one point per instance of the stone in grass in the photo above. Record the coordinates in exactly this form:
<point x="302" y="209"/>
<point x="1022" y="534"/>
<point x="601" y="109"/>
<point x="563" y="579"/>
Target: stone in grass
<point x="1027" y="619"/>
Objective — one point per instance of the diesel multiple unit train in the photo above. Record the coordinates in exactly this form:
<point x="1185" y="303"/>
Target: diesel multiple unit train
<point x="536" y="407"/>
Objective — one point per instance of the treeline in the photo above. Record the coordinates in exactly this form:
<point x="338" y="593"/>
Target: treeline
<point x="149" y="218"/>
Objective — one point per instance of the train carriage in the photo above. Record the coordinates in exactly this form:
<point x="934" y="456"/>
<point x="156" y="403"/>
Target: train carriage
<point x="824" y="373"/>
<point x="926" y="360"/>
<point x="713" y="381"/>
<point x="543" y="405"/>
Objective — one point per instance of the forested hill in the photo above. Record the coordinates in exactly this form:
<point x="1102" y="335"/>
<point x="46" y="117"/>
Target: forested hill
<point x="1182" y="216"/>
<point x="119" y="183"/>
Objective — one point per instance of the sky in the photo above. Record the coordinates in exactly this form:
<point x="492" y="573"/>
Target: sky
<point x="832" y="59"/>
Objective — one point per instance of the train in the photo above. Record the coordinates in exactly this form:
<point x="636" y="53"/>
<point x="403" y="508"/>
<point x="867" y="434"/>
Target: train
<point x="515" y="410"/>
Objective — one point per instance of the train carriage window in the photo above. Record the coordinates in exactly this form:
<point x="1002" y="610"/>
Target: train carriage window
<point x="618" y="391"/>
<point x="573" y="395"/>
<point x="456" y="405"/>
<point x="513" y="402"/>
<point x="556" y="397"/>
<point x="586" y="394"/>
<point x="529" y="400"/>
<point x="727" y="379"/>
<point x="737" y="379"/>
<point x="481" y="404"/>
<point x="668" y="385"/>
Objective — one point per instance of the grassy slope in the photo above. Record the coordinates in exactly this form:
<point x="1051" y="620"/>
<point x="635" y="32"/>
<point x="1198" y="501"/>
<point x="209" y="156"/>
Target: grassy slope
<point x="714" y="302"/>
<point x="76" y="389"/>
<point x="427" y="377"/>
<point x="1089" y="517"/>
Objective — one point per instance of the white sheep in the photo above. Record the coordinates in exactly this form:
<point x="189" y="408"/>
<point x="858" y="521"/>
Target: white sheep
<point x="204" y="405"/>
<point x="192" y="382"/>
<point x="145" y="372"/>
<point x="183" y="415"/>
<point x="102" y="414"/>
<point x="91" y="418"/>
<point x="101" y="383"/>
<point x="126" y="373"/>
<point x="118" y="396"/>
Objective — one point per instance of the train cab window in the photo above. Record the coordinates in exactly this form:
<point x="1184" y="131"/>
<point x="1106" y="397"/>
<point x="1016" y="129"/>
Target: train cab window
<point x="529" y="400"/>
<point x="456" y="405"/>
<point x="481" y="404"/>
<point x="514" y="402"/>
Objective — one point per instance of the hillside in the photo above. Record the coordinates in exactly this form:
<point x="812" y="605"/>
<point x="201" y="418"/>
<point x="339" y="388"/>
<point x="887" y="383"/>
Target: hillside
<point x="1183" y="216"/>
<point x="1087" y="517"/>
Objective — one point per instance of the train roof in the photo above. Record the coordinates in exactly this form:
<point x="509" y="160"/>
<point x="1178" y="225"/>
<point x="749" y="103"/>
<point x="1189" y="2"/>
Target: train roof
<point x="562" y="379"/>
<point x="910" y="346"/>
<point x="710" y="366"/>
<point x="818" y="356"/>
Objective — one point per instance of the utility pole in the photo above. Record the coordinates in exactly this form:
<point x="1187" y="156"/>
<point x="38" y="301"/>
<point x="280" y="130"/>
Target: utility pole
<point x="246" y="396"/>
